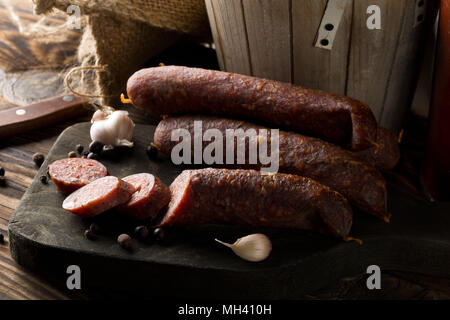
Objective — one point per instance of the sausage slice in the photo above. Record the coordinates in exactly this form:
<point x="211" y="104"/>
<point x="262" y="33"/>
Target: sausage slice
<point x="250" y="198"/>
<point x="73" y="173"/>
<point x="98" y="196"/>
<point x="150" y="197"/>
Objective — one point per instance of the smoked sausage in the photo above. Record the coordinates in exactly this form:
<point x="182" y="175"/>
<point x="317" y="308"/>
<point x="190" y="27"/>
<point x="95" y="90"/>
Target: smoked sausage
<point x="150" y="197"/>
<point x="171" y="90"/>
<point x="249" y="198"/>
<point x="324" y="162"/>
<point x="73" y="173"/>
<point x="386" y="154"/>
<point x="98" y="196"/>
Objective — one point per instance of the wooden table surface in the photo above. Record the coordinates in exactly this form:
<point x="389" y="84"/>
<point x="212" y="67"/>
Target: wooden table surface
<point x="16" y="153"/>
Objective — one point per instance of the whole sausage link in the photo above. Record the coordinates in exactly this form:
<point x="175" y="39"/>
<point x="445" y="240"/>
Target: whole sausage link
<point x="324" y="162"/>
<point x="249" y="198"/>
<point x="173" y="90"/>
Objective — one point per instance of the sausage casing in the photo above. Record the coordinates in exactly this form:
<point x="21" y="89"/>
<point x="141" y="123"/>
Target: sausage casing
<point x="250" y="198"/>
<point x="324" y="162"/>
<point x="386" y="154"/>
<point x="173" y="90"/>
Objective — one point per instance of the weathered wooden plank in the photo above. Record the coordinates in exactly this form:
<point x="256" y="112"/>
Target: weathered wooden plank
<point x="215" y="34"/>
<point x="21" y="49"/>
<point x="372" y="52"/>
<point x="268" y="29"/>
<point x="406" y="66"/>
<point x="314" y="67"/>
<point x="231" y="31"/>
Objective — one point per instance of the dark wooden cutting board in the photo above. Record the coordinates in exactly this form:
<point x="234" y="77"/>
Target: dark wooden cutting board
<point x="46" y="239"/>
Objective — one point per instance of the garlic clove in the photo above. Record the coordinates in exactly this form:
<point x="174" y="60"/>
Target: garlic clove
<point x="115" y="129"/>
<point x="255" y="247"/>
<point x="124" y="143"/>
<point x="98" y="116"/>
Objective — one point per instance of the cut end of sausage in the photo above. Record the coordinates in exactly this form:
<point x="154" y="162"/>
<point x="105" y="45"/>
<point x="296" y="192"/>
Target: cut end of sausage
<point x="384" y="156"/>
<point x="98" y="196"/>
<point x="71" y="174"/>
<point x="178" y="201"/>
<point x="150" y="197"/>
<point x="335" y="218"/>
<point x="364" y="125"/>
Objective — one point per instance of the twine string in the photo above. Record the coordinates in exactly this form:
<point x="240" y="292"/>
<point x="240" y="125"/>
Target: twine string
<point x="82" y="68"/>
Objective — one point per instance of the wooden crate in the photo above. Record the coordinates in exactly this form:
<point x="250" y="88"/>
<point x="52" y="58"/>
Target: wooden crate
<point x="278" y="39"/>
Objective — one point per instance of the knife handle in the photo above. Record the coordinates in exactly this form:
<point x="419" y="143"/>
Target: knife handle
<point x="34" y="116"/>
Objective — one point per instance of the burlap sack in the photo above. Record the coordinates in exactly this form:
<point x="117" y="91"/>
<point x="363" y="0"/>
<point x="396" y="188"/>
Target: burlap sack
<point x="122" y="34"/>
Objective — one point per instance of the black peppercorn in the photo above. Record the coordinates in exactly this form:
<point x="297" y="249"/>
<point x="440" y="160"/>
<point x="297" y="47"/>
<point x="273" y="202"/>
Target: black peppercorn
<point x="141" y="232"/>
<point x="38" y="158"/>
<point x="96" y="147"/>
<point x="94" y="228"/>
<point x="43" y="179"/>
<point x="109" y="151"/>
<point x="125" y="241"/>
<point x="92" y="155"/>
<point x="79" y="149"/>
<point x="89" y="234"/>
<point x="152" y="151"/>
<point x="159" y="234"/>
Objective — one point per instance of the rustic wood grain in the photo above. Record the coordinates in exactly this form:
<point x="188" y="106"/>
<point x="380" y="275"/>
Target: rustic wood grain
<point x="33" y="58"/>
<point x="22" y="49"/>
<point x="314" y="67"/>
<point x="215" y="35"/>
<point x="371" y="52"/>
<point x="231" y="35"/>
<point x="408" y="41"/>
<point x="268" y="28"/>
<point x="276" y="40"/>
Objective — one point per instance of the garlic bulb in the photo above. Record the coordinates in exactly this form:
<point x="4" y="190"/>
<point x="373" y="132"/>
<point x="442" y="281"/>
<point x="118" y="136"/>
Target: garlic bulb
<point x="114" y="128"/>
<point x="255" y="247"/>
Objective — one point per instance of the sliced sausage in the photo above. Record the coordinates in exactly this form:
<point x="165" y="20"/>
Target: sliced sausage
<point x="324" y="162"/>
<point x="98" y="196"/>
<point x="150" y="197"/>
<point x="73" y="173"/>
<point x="173" y="90"/>
<point x="250" y="198"/>
<point x="386" y="154"/>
